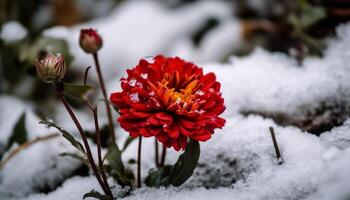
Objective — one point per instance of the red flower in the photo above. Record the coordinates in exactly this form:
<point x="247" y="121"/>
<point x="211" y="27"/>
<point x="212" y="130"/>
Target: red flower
<point x="170" y="99"/>
<point x="90" y="41"/>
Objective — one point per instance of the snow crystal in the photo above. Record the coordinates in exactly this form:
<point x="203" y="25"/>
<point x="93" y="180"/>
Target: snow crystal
<point x="200" y="92"/>
<point x="144" y="76"/>
<point x="132" y="82"/>
<point x="149" y="59"/>
<point x="152" y="93"/>
<point x="13" y="31"/>
<point x="134" y="97"/>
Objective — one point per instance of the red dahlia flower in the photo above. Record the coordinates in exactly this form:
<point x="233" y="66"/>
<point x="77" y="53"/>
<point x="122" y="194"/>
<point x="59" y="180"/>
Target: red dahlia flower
<point x="170" y="99"/>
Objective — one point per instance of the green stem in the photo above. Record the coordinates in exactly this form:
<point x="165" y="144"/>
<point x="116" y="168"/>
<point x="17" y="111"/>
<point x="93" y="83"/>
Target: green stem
<point x="156" y="152"/>
<point x="139" y="163"/>
<point x="162" y="161"/>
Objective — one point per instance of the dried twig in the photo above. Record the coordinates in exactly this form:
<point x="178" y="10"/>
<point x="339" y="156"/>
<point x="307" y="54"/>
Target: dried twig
<point x="26" y="145"/>
<point x="275" y="144"/>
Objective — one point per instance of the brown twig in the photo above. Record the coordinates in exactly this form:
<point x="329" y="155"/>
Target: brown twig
<point x="59" y="90"/>
<point x="139" y="163"/>
<point x="275" y="144"/>
<point x="25" y="145"/>
<point x="104" y="92"/>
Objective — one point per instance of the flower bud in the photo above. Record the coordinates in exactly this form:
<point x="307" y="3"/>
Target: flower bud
<point x="51" y="69"/>
<point x="90" y="41"/>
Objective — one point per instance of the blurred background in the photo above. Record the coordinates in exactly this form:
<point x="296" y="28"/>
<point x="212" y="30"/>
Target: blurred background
<point x="199" y="31"/>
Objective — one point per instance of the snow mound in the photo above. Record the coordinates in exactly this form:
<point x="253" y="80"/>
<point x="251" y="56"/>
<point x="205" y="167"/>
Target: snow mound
<point x="334" y="184"/>
<point x="37" y="168"/>
<point x="12" y="32"/>
<point x="338" y="137"/>
<point x="9" y="116"/>
<point x="72" y="189"/>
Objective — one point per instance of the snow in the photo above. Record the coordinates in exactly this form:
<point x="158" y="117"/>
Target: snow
<point x="40" y="167"/>
<point x="338" y="137"/>
<point x="335" y="180"/>
<point x="13" y="31"/>
<point x="274" y="83"/>
<point x="9" y="116"/>
<point x="46" y="167"/>
<point x="69" y="190"/>
<point x="242" y="155"/>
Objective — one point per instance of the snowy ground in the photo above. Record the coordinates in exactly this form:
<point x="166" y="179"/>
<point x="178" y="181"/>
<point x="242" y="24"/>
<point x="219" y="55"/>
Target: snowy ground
<point x="239" y="161"/>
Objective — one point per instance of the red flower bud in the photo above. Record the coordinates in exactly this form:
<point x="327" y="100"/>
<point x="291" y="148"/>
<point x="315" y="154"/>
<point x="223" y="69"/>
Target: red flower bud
<point x="51" y="69"/>
<point x="170" y="99"/>
<point x="90" y="41"/>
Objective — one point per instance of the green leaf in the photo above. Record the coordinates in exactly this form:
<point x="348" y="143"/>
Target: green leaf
<point x="76" y="156"/>
<point x="96" y="195"/>
<point x="131" y="161"/>
<point x="104" y="136"/>
<point x="66" y="135"/>
<point x="311" y="14"/>
<point x="114" y="157"/>
<point x="159" y="177"/>
<point x="185" y="165"/>
<point x="19" y="132"/>
<point x="127" y="142"/>
<point x="77" y="90"/>
<point x="116" y="166"/>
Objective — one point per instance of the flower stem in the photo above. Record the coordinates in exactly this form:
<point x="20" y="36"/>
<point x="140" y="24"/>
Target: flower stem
<point x="59" y="90"/>
<point x="93" y="108"/>
<point x="104" y="92"/>
<point x="156" y="152"/>
<point x="162" y="161"/>
<point x="139" y="163"/>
